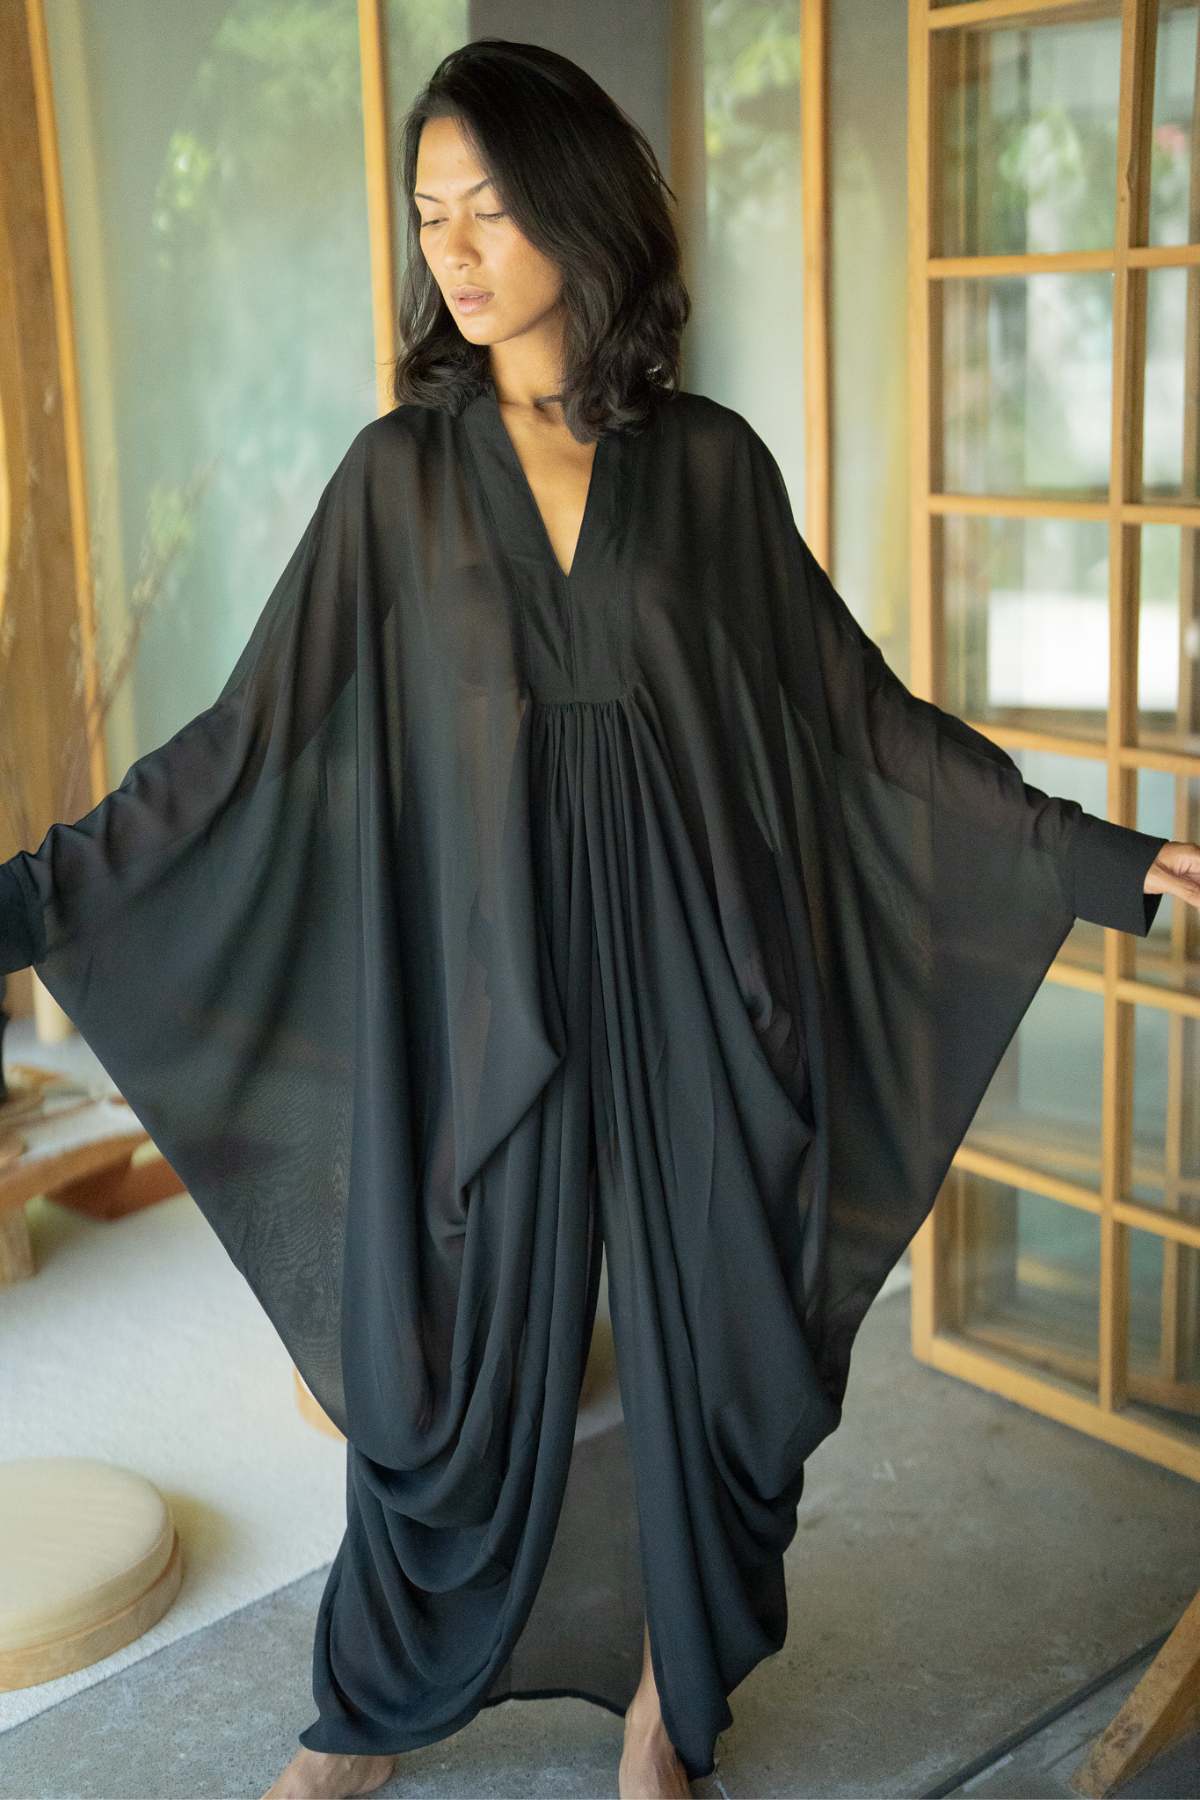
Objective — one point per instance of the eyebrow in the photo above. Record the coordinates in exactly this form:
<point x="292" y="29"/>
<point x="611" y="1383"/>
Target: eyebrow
<point x="486" y="182"/>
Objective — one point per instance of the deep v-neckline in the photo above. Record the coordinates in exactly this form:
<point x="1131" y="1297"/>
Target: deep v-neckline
<point x="491" y="407"/>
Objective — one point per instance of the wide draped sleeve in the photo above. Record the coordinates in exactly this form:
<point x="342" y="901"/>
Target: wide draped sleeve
<point x="198" y="926"/>
<point x="161" y="829"/>
<point x="881" y="724"/>
<point x="937" y="887"/>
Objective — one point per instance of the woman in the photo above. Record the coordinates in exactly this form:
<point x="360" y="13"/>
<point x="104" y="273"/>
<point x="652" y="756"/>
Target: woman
<point x="561" y="870"/>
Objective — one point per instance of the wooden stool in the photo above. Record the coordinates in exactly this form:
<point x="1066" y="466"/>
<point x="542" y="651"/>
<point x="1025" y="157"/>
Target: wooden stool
<point x="77" y="1149"/>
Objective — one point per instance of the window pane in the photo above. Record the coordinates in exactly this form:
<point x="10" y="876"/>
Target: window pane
<point x="1028" y="122"/>
<point x="1027" y="384"/>
<point x="1042" y="1105"/>
<point x="1165" y="1169"/>
<point x="1169" y="639"/>
<point x="1171" y="449"/>
<point x="1164" y="1332"/>
<point x="1173" y="154"/>
<point x="212" y="161"/>
<point x="1026" y="1278"/>
<point x="736" y="167"/>
<point x="1016" y="591"/>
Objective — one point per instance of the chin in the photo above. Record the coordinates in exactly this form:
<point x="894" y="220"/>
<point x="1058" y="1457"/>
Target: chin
<point x="469" y="323"/>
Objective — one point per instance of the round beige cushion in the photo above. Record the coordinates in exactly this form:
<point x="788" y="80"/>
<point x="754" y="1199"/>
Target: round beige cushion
<point x="89" y="1560"/>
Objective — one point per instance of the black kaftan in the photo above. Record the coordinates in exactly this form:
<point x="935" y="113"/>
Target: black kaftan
<point x="491" y="915"/>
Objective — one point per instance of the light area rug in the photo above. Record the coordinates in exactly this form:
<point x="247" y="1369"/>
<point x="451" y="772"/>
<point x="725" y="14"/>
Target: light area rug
<point x="139" y="1343"/>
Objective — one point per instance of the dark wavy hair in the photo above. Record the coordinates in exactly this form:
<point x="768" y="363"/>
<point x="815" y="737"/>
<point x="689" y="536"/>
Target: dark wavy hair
<point x="581" y="180"/>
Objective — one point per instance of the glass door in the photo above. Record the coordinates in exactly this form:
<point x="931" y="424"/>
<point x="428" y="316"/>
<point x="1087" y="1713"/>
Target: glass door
<point x="1055" y="289"/>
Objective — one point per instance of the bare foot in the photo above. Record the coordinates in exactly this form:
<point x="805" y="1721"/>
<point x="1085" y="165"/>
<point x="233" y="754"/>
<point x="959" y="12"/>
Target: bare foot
<point x="312" y="1775"/>
<point x="650" y="1767"/>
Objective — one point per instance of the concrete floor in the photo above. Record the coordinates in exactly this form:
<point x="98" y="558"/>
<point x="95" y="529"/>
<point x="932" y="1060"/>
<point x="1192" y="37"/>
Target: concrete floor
<point x="974" y="1590"/>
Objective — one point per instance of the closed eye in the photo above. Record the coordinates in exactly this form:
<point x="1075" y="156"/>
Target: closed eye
<point x="495" y="215"/>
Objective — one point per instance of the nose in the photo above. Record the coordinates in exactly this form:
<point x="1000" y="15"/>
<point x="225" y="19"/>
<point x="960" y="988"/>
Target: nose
<point x="457" y="256"/>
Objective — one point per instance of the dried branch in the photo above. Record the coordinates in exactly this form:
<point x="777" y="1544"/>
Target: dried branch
<point x="169" y="530"/>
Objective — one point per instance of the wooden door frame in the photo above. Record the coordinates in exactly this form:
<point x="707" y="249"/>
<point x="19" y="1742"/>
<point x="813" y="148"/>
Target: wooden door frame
<point x="46" y="597"/>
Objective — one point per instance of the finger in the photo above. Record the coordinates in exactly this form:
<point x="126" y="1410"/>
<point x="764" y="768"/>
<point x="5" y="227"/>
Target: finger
<point x="1184" y="888"/>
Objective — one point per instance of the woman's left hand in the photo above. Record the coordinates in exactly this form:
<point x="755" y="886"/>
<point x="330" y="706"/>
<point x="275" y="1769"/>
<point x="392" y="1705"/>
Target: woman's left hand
<point x="1175" y="870"/>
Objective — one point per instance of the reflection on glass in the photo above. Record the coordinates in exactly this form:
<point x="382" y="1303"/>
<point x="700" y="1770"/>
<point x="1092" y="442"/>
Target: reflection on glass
<point x="213" y="180"/>
<point x="1171" y="452"/>
<point x="1027" y="384"/>
<point x="1026" y="1277"/>
<point x="736" y="105"/>
<point x="1028" y="134"/>
<point x="1164" y="1332"/>
<point x="1169" y="638"/>
<point x="871" y="449"/>
<point x="1016" y="591"/>
<point x="1042" y="1105"/>
<point x="1173" y="152"/>
<point x="1082" y="778"/>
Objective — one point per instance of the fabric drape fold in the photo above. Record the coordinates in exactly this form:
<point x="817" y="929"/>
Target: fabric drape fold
<point x="495" y="926"/>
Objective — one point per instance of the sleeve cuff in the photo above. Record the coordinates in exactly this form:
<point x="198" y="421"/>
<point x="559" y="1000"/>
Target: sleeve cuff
<point x="1109" y="864"/>
<point x="21" y="941"/>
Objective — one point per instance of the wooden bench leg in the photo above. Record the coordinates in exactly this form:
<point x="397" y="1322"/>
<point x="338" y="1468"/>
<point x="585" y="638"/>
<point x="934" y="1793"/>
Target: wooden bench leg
<point x="121" y="1188"/>
<point x="16" y="1247"/>
<point x="1163" y="1708"/>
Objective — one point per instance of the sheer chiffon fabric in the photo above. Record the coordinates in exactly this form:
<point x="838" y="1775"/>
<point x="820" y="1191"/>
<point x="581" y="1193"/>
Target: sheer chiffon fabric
<point x="492" y="920"/>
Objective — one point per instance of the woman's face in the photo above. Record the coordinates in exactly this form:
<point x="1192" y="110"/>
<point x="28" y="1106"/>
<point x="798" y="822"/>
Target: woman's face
<point x="469" y="241"/>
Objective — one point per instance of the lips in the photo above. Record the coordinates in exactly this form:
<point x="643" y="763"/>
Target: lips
<point x="471" y="293"/>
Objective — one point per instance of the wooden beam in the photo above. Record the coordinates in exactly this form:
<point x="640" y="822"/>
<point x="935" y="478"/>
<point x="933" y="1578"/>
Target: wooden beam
<point x="372" y="38"/>
<point x="815" y="231"/>
<point x="47" y="617"/>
